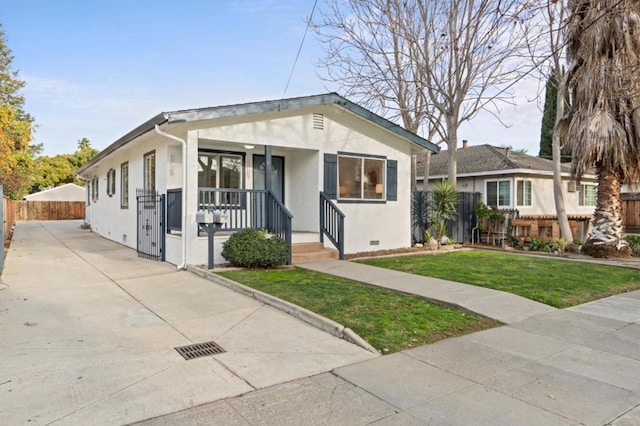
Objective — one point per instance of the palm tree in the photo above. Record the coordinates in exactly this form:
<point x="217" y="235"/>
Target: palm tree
<point x="603" y="123"/>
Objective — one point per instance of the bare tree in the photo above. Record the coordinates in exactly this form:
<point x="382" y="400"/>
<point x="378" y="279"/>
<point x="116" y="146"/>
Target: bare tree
<point x="546" y="35"/>
<point x="433" y="64"/>
<point x="603" y="124"/>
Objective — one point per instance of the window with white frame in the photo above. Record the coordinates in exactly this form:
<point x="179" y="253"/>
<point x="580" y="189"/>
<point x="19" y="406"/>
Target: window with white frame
<point x="124" y="185"/>
<point x="94" y="189"/>
<point x="361" y="177"/>
<point x="217" y="170"/>
<point x="111" y="182"/>
<point x="498" y="193"/>
<point x="588" y="195"/>
<point x="523" y="193"/>
<point x="149" y="171"/>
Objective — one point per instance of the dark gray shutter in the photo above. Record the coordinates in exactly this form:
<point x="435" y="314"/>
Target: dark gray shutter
<point x="392" y="180"/>
<point x="331" y="176"/>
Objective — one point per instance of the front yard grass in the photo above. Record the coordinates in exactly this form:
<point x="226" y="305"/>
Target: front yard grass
<point x="385" y="318"/>
<point x="558" y="283"/>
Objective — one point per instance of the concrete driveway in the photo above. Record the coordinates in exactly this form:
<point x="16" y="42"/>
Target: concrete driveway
<point x="88" y="331"/>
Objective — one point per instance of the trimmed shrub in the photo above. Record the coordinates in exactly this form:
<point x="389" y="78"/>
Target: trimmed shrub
<point x="253" y="248"/>
<point x="634" y="244"/>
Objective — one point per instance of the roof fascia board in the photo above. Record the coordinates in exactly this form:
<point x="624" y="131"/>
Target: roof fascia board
<point x="138" y="131"/>
<point x="258" y="108"/>
<point x="299" y="103"/>
<point x="388" y="125"/>
<point x="508" y="172"/>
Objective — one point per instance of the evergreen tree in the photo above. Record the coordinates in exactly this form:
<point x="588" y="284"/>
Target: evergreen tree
<point x="549" y="121"/>
<point x="548" y="117"/>
<point x="16" y="157"/>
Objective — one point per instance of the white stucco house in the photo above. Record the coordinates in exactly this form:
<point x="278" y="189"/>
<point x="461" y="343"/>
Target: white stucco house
<point x="512" y="180"/>
<point x="66" y="192"/>
<point x="293" y="166"/>
<point x="521" y="186"/>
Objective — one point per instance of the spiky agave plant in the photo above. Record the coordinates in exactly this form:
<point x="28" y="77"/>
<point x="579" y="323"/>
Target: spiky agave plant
<point x="602" y="125"/>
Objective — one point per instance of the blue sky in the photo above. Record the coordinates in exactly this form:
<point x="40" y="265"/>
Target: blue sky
<point x="98" y="69"/>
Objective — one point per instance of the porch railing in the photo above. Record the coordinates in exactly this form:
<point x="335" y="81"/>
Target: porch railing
<point x="331" y="223"/>
<point x="243" y="208"/>
<point x="278" y="219"/>
<point x="248" y="208"/>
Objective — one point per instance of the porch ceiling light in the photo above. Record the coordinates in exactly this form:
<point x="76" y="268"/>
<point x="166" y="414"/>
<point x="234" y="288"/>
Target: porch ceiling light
<point x="249" y="146"/>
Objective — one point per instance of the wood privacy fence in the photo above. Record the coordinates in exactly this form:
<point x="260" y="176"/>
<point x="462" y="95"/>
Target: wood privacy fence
<point x="630" y="203"/>
<point x="8" y="217"/>
<point x="49" y="210"/>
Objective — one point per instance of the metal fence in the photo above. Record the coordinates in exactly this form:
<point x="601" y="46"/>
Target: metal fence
<point x="459" y="229"/>
<point x="151" y="224"/>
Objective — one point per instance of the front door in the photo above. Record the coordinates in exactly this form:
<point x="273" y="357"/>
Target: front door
<point x="277" y="175"/>
<point x="277" y="184"/>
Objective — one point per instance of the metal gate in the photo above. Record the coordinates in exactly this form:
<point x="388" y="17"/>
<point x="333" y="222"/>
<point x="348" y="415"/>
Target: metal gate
<point x="151" y="224"/>
<point x="459" y="229"/>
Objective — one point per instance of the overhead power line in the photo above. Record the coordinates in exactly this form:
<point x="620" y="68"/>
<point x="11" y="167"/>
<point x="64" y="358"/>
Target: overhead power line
<point x="295" y="62"/>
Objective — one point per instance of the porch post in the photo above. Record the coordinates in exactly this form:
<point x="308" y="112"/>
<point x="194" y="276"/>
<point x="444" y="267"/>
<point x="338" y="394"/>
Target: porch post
<point x="267" y="167"/>
<point x="267" y="186"/>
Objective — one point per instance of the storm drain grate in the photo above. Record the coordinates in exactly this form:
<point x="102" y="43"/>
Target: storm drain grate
<point x="198" y="350"/>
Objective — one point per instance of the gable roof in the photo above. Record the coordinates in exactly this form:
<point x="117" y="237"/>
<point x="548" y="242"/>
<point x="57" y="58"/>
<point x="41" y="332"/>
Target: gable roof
<point x="210" y="113"/>
<point x="483" y="159"/>
<point x="66" y="192"/>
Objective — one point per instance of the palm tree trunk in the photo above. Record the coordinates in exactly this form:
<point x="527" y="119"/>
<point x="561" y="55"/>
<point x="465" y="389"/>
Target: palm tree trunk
<point x="606" y="239"/>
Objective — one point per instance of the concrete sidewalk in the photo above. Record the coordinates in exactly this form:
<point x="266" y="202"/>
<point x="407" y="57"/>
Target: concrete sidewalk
<point x="88" y="331"/>
<point x="505" y="307"/>
<point x="558" y="368"/>
<point x="547" y="367"/>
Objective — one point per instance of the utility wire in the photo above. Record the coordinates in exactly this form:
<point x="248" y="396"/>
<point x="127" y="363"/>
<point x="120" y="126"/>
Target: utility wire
<point x="295" y="62"/>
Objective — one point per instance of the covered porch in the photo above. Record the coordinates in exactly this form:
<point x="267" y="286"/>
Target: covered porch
<point x="272" y="188"/>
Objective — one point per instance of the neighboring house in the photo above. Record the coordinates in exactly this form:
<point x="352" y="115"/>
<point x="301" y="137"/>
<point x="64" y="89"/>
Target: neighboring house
<point x="512" y="180"/>
<point x="520" y="183"/>
<point x="326" y="154"/>
<point x="67" y="192"/>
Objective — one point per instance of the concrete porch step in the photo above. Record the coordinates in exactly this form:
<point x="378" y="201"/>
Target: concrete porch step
<point x="311" y="252"/>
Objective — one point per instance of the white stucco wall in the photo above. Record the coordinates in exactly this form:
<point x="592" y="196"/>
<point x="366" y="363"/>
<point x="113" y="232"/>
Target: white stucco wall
<point x="369" y="226"/>
<point x="542" y="200"/>
<point x="107" y="217"/>
<point x="365" y="222"/>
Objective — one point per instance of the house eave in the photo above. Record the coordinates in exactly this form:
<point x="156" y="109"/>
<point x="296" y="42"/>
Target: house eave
<point x="212" y="113"/>
<point x="507" y="172"/>
<point x="145" y="127"/>
<point x="419" y="144"/>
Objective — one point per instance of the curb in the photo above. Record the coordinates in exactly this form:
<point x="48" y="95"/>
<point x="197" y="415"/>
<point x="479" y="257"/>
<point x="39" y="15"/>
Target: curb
<point x="311" y="318"/>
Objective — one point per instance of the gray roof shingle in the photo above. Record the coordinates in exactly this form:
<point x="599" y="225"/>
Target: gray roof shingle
<point x="487" y="158"/>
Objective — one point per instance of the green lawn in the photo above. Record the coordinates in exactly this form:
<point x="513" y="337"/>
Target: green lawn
<point x="384" y="318"/>
<point x="558" y="283"/>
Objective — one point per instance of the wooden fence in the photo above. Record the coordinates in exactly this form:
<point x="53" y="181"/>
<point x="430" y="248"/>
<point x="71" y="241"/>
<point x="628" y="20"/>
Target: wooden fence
<point x="631" y="212"/>
<point x="8" y="218"/>
<point x="49" y="210"/>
